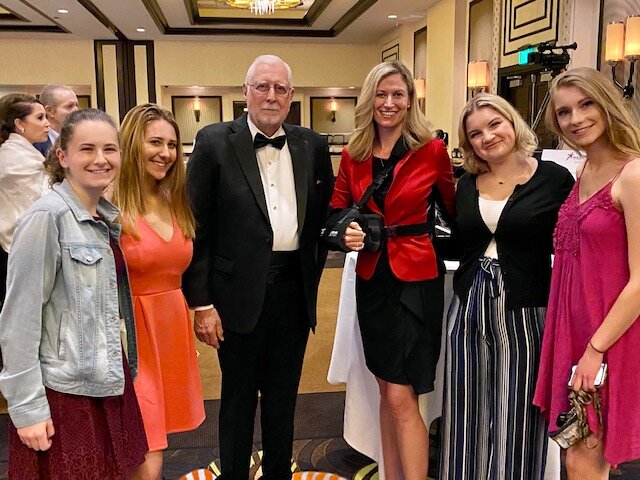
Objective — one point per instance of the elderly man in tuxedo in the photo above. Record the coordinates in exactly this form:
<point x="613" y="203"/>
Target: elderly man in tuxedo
<point x="260" y="191"/>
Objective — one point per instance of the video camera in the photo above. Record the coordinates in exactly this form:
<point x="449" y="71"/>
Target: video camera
<point x="547" y="55"/>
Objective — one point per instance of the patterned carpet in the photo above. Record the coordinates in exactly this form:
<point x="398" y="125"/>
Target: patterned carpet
<point x="318" y="445"/>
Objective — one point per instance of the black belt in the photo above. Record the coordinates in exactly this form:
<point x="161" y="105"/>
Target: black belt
<point x="283" y="267"/>
<point x="413" y="230"/>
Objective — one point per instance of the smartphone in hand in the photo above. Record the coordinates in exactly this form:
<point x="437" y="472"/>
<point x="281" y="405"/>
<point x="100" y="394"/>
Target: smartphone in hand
<point x="600" y="376"/>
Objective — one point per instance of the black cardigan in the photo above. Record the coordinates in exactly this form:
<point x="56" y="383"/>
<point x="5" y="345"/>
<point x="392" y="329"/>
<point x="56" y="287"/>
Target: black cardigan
<point x="524" y="235"/>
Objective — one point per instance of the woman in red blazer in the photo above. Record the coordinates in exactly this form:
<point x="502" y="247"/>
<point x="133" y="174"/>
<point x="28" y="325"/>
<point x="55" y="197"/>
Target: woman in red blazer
<point x="399" y="288"/>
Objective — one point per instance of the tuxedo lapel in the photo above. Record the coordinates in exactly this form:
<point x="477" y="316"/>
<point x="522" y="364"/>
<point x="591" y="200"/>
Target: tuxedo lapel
<point x="301" y="169"/>
<point x="246" y="155"/>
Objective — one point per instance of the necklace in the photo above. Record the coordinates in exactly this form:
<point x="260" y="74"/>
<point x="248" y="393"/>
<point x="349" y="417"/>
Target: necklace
<point x="502" y="181"/>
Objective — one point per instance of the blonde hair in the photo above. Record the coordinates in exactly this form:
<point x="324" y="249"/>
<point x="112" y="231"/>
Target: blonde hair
<point x="621" y="129"/>
<point x="526" y="140"/>
<point x="416" y="130"/>
<point x="132" y="187"/>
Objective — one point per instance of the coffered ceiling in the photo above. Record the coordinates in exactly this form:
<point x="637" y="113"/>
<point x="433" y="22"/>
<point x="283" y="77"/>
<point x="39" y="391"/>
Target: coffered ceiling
<point x="340" y="21"/>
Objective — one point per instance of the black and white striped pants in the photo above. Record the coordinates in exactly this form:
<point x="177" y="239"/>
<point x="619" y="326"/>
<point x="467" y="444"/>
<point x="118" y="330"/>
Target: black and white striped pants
<point x="490" y="429"/>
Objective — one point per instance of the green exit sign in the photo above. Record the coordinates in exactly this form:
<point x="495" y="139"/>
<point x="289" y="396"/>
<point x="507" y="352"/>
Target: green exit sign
<point x="523" y="55"/>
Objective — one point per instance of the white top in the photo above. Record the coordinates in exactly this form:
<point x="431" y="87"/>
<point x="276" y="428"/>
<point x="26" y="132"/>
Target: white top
<point x="276" y="172"/>
<point x="22" y="181"/>
<point x="490" y="210"/>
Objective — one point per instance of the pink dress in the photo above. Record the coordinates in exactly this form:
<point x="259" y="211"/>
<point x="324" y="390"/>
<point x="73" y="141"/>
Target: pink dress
<point x="168" y="383"/>
<point x="589" y="272"/>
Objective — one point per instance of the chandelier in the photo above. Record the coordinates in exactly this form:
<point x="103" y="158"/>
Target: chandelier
<point x="263" y="7"/>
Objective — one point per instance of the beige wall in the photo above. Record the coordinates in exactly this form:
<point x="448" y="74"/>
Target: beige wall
<point x="440" y="71"/>
<point x="225" y="64"/>
<point x="37" y="62"/>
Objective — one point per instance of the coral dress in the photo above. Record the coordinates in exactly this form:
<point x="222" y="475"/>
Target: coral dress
<point x="589" y="272"/>
<point x="168" y="383"/>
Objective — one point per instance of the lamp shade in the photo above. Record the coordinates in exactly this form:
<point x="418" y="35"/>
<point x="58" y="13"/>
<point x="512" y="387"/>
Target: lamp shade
<point x="421" y="88"/>
<point x="333" y="106"/>
<point x="478" y="74"/>
<point x="632" y="38"/>
<point x="615" y="42"/>
<point x="196" y="104"/>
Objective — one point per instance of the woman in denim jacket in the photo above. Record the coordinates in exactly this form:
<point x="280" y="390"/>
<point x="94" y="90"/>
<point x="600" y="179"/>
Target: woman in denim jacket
<point x="66" y="379"/>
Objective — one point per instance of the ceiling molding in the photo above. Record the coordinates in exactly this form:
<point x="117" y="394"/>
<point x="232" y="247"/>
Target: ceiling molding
<point x="354" y="12"/>
<point x="11" y="16"/>
<point x="102" y="18"/>
<point x="308" y="20"/>
<point x="32" y="28"/>
<point x="343" y="22"/>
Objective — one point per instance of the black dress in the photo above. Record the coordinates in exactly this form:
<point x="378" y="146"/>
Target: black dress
<point x="400" y="322"/>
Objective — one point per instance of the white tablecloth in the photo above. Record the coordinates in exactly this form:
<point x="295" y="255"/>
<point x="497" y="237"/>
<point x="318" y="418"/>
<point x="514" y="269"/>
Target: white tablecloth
<point x="361" y="417"/>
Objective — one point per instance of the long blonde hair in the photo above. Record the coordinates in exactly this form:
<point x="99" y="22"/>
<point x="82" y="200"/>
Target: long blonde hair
<point x="132" y="187"/>
<point x="416" y="130"/>
<point x="526" y="140"/>
<point x="621" y="129"/>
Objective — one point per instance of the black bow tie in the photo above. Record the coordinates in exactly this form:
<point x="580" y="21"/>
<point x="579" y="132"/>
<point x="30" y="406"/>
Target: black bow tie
<point x="260" y="141"/>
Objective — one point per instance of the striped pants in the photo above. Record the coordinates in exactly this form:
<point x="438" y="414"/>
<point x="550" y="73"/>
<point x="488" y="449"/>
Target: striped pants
<point x="490" y="429"/>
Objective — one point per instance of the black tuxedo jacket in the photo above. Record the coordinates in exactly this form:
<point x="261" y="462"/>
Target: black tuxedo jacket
<point x="232" y="248"/>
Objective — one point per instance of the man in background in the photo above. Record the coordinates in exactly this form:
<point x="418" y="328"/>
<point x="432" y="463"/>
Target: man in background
<point x="58" y="101"/>
<point x="260" y="192"/>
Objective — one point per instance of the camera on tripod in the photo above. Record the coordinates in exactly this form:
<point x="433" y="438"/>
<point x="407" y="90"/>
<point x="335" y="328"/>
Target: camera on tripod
<point x="552" y="56"/>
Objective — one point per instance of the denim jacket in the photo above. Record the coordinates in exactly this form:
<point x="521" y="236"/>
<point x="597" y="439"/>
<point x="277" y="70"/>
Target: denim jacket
<point x="60" y="324"/>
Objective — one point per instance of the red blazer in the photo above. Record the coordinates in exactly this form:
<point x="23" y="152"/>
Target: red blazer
<point x="411" y="258"/>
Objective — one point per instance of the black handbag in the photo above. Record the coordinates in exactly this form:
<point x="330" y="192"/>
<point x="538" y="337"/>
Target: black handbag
<point x="372" y="224"/>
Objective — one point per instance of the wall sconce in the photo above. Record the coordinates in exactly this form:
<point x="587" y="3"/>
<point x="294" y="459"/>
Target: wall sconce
<point x="421" y="91"/>
<point x="333" y="106"/>
<point x="196" y="109"/>
<point x="621" y="45"/>
<point x="477" y="76"/>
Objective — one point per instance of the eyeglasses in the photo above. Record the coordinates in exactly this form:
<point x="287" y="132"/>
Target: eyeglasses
<point x="264" y="88"/>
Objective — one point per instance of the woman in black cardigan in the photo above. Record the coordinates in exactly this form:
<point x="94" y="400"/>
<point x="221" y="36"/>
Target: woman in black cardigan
<point x="507" y="206"/>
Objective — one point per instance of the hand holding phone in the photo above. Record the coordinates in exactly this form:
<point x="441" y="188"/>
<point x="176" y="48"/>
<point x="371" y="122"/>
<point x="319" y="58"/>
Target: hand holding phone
<point x="600" y="376"/>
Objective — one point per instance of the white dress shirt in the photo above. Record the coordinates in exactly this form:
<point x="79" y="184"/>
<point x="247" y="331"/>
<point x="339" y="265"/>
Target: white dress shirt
<point x="276" y="172"/>
<point x="22" y="181"/>
<point x="53" y="136"/>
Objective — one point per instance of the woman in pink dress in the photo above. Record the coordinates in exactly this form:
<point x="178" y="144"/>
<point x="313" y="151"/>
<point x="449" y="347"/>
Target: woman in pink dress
<point x="595" y="290"/>
<point x="157" y="245"/>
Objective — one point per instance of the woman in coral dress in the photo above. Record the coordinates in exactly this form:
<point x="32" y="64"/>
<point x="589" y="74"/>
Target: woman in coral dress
<point x="594" y="302"/>
<point x="157" y="244"/>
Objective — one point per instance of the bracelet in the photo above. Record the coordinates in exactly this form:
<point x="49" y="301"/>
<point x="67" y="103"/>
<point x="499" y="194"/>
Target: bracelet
<point x="601" y="352"/>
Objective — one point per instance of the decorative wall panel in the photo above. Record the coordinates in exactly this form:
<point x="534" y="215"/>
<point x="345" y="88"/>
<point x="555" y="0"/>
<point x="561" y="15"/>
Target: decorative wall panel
<point x="528" y="22"/>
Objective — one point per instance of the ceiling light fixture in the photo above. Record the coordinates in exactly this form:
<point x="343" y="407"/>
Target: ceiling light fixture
<point x="264" y="7"/>
<point x="140" y="29"/>
<point x="392" y="16"/>
<point x="63" y="10"/>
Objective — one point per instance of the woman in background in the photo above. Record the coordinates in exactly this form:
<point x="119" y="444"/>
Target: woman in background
<point x="66" y="379"/>
<point x="595" y="291"/>
<point x="157" y="244"/>
<point x="22" y="177"/>
<point x="399" y="288"/>
<point x="507" y="205"/>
